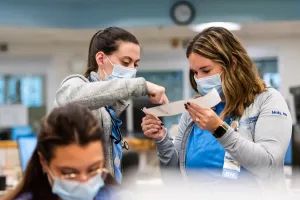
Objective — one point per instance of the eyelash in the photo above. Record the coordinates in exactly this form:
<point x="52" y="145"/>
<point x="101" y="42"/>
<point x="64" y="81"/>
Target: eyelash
<point x="126" y="63"/>
<point x="89" y="171"/>
<point x="206" y="72"/>
<point x="67" y="173"/>
<point x="92" y="170"/>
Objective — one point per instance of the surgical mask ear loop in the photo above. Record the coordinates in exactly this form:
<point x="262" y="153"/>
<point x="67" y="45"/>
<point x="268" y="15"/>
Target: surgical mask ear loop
<point x="50" y="175"/>
<point x="109" y="60"/>
<point x="110" y="63"/>
<point x="104" y="72"/>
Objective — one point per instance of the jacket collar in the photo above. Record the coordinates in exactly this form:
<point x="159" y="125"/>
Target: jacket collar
<point x="94" y="77"/>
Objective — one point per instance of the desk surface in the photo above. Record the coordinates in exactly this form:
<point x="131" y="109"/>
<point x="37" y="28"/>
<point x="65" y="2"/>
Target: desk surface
<point x="8" y="144"/>
<point x="137" y="144"/>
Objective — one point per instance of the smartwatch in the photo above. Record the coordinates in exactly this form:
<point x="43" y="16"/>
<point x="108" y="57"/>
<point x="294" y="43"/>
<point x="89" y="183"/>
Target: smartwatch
<point x="221" y="130"/>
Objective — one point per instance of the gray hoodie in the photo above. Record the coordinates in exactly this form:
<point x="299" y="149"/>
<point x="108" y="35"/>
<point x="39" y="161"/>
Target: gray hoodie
<point x="259" y="145"/>
<point x="95" y="95"/>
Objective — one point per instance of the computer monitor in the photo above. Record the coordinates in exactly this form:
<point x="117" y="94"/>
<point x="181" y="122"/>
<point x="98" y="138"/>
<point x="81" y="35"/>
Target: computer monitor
<point x="138" y="114"/>
<point x="5" y="133"/>
<point x="296" y="146"/>
<point x="26" y="146"/>
<point x="18" y="131"/>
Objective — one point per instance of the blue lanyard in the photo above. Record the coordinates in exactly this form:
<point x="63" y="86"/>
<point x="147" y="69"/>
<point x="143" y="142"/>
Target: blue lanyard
<point x="115" y="125"/>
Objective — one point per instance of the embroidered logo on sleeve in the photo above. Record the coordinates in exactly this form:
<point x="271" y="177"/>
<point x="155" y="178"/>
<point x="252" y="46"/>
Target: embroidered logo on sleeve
<point x="275" y="112"/>
<point x="253" y="119"/>
<point x="248" y="121"/>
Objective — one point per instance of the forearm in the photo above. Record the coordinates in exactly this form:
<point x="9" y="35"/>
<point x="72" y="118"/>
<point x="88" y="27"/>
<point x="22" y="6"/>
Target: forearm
<point x="167" y="152"/>
<point x="262" y="156"/>
<point x="98" y="94"/>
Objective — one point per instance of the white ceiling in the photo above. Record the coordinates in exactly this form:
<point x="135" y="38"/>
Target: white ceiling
<point x="26" y="35"/>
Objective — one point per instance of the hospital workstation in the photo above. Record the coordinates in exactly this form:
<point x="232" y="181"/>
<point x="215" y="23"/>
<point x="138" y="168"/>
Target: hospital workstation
<point x="185" y="94"/>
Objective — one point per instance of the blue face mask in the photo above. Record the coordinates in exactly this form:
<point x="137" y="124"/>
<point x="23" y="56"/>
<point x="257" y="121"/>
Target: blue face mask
<point x="75" y="190"/>
<point x="120" y="72"/>
<point x="205" y="85"/>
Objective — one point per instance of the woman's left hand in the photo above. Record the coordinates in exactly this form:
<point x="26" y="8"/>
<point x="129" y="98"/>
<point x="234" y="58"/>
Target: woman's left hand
<point x="205" y="118"/>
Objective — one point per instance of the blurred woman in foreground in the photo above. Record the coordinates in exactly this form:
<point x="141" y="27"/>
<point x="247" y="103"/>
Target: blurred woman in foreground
<point x="68" y="162"/>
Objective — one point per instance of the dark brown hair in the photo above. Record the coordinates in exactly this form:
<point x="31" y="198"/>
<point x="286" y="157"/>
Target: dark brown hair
<point x="107" y="41"/>
<point x="240" y="79"/>
<point x="63" y="126"/>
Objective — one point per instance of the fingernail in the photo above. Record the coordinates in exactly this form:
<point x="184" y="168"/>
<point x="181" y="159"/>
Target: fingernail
<point x="188" y="103"/>
<point x="186" y="107"/>
<point x="161" y="127"/>
<point x="162" y="123"/>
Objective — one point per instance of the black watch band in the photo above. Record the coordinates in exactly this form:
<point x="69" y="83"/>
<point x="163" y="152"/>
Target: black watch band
<point x="221" y="130"/>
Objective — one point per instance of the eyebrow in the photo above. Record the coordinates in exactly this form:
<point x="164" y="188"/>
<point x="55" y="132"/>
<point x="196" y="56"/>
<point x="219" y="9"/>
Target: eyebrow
<point x="74" y="169"/>
<point x="128" y="57"/>
<point x="95" y="164"/>
<point x="62" y="168"/>
<point x="200" y="68"/>
<point x="203" y="67"/>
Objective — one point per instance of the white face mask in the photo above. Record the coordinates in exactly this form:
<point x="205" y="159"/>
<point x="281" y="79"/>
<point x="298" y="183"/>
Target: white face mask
<point x="206" y="84"/>
<point x="120" y="72"/>
<point x="75" y="190"/>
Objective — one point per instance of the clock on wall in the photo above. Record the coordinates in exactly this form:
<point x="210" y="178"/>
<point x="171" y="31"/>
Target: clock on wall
<point x="182" y="13"/>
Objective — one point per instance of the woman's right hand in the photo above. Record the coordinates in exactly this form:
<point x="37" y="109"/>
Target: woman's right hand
<point x="156" y="93"/>
<point x="153" y="128"/>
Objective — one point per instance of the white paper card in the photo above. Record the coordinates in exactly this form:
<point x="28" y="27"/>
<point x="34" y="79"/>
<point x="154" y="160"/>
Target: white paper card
<point x="177" y="107"/>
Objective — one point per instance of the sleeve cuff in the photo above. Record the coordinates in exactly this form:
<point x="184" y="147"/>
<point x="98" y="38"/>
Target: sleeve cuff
<point x="160" y="141"/>
<point x="227" y="137"/>
<point x="164" y="143"/>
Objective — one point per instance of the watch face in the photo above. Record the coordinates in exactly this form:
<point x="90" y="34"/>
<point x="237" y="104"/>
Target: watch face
<point x="221" y="130"/>
<point x="182" y="13"/>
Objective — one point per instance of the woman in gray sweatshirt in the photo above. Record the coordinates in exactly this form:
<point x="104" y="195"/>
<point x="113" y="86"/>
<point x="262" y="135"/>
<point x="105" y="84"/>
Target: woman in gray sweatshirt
<point x="243" y="140"/>
<point x="108" y="82"/>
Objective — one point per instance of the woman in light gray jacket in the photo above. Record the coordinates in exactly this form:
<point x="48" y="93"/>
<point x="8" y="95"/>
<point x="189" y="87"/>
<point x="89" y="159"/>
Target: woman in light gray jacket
<point x="108" y="82"/>
<point x="243" y="140"/>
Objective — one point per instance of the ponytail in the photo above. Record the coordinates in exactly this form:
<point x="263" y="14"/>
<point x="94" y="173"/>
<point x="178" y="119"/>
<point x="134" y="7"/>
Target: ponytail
<point x="91" y="63"/>
<point x="87" y="72"/>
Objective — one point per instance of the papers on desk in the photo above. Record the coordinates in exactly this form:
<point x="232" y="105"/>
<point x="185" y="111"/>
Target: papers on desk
<point x="175" y="108"/>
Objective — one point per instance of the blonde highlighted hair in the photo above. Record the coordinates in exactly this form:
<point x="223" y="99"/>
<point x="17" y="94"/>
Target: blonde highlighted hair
<point x="240" y="79"/>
